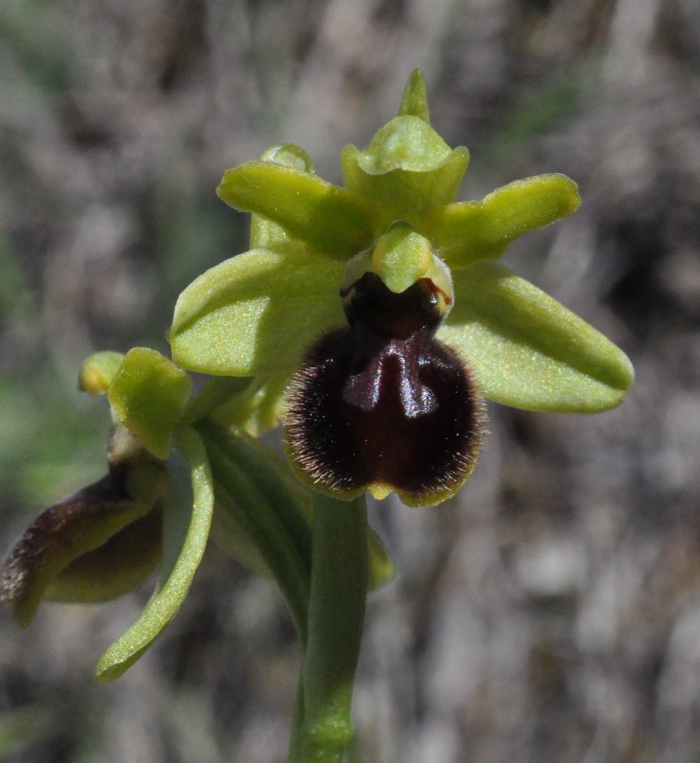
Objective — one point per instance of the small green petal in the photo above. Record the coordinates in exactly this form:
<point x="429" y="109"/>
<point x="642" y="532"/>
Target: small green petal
<point x="185" y="538"/>
<point x="406" y="170"/>
<point x="476" y="230"/>
<point x="527" y="350"/>
<point x="149" y="395"/>
<point x="328" y="218"/>
<point x="97" y="372"/>
<point x="415" y="98"/>
<point x="256" y="313"/>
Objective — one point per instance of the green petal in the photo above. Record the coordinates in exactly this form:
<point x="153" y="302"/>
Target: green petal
<point x="330" y="219"/>
<point x="476" y="230"/>
<point x="256" y="313"/>
<point x="527" y="350"/>
<point x="149" y="394"/>
<point x="185" y="538"/>
<point x="406" y="170"/>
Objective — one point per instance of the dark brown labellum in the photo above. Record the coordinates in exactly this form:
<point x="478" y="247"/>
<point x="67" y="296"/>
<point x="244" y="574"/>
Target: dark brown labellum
<point x="383" y="405"/>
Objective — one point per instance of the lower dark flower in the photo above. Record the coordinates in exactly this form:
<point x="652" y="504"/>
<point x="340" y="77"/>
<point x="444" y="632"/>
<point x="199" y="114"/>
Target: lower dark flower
<point x="383" y="405"/>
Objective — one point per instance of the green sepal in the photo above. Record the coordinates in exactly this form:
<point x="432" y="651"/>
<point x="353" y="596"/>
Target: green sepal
<point x="97" y="371"/>
<point x="72" y="529"/>
<point x="414" y="102"/>
<point x="405" y="171"/>
<point x="466" y="232"/>
<point x="186" y="530"/>
<point x="149" y="394"/>
<point x="256" y="314"/>
<point x="528" y="350"/>
<point x="328" y="218"/>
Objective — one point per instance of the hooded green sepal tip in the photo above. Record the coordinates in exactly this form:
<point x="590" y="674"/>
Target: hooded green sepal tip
<point x="187" y="521"/>
<point x="79" y="549"/>
<point x="466" y="232"/>
<point x="528" y="350"/>
<point x="149" y="394"/>
<point x="414" y="102"/>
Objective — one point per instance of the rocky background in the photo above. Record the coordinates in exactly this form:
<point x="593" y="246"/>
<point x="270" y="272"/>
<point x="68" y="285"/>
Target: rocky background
<point x="551" y="612"/>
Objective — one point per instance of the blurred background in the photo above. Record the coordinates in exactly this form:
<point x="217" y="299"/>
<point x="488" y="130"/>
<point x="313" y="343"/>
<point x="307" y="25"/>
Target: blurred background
<point x="551" y="612"/>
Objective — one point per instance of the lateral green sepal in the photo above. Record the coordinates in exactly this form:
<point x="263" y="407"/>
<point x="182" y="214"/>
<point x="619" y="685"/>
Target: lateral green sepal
<point x="256" y="314"/>
<point x="529" y="351"/>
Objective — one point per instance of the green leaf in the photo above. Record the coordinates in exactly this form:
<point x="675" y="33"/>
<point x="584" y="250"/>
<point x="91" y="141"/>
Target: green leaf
<point x="476" y="230"/>
<point x="328" y="218"/>
<point x="272" y="530"/>
<point x="527" y="350"/>
<point x="256" y="313"/>
<point x="182" y="519"/>
<point x="149" y="394"/>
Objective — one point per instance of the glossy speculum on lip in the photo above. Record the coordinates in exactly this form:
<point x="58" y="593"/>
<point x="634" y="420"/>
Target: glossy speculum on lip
<point x="383" y="405"/>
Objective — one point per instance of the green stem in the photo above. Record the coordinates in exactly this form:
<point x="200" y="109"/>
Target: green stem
<point x="339" y="575"/>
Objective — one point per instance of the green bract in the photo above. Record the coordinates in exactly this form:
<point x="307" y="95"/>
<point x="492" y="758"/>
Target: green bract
<point x="258" y="313"/>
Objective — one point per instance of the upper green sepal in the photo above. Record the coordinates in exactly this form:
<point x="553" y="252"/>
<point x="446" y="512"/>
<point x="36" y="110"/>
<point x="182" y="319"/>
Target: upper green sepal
<point x="149" y="394"/>
<point x="527" y="350"/>
<point x="405" y="171"/>
<point x="466" y="232"/>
